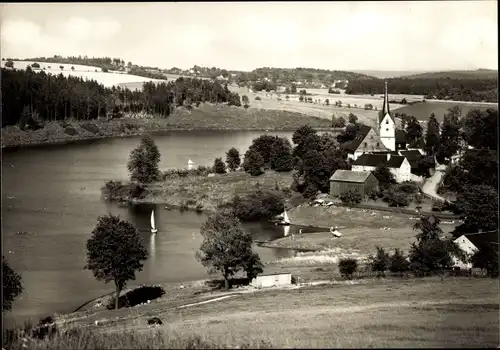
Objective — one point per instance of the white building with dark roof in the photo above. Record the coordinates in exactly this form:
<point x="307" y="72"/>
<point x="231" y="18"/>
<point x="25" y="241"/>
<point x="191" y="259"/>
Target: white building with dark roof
<point x="398" y="165"/>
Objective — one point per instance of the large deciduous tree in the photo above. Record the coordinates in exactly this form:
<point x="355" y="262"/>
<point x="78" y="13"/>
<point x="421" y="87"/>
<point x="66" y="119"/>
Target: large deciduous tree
<point x="480" y="128"/>
<point x="413" y="129"/>
<point x="144" y="160"/>
<point x="11" y="285"/>
<point x="449" y="142"/>
<point x="226" y="248"/>
<point x="253" y="162"/>
<point x="115" y="252"/>
<point x="281" y="155"/>
<point x="478" y="206"/>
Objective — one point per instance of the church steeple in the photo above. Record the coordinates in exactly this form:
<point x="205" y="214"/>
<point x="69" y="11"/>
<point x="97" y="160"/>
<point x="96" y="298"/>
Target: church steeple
<point x="385" y="108"/>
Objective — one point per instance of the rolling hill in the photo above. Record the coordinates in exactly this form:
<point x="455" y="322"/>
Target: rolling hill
<point x="457" y="74"/>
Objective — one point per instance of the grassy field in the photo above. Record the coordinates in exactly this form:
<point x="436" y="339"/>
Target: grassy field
<point x="430" y="312"/>
<point x="86" y="72"/>
<point x="205" y="193"/>
<point x="422" y="111"/>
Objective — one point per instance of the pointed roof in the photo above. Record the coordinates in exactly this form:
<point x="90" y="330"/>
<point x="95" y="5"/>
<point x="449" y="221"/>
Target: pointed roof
<point x="385" y="108"/>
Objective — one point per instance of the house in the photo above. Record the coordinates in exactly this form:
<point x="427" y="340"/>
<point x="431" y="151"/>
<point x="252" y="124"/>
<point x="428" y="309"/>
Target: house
<point x="470" y="243"/>
<point x="272" y="280"/>
<point x="398" y="165"/>
<point x="344" y="180"/>
<point x="366" y="140"/>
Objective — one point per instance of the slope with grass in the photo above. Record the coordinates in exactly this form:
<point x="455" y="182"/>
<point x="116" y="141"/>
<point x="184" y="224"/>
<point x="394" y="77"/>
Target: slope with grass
<point x="429" y="312"/>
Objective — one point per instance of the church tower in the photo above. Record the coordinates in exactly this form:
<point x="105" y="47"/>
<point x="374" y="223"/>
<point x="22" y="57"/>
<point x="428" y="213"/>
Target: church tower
<point x="387" y="124"/>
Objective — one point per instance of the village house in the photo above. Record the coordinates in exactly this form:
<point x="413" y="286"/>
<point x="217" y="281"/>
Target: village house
<point x="470" y="243"/>
<point x="272" y="280"/>
<point x="366" y="141"/>
<point x="398" y="165"/>
<point x="345" y="180"/>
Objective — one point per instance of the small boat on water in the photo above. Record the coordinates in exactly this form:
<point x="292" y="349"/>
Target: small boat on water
<point x="153" y="227"/>
<point x="285" y="221"/>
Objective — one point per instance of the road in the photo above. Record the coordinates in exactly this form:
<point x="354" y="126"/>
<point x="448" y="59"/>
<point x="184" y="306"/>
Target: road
<point x="431" y="183"/>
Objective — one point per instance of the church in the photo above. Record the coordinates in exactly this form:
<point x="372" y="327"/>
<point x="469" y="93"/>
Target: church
<point x="384" y="144"/>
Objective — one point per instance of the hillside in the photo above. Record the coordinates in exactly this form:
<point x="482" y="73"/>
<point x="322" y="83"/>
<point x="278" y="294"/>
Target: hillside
<point x="457" y="74"/>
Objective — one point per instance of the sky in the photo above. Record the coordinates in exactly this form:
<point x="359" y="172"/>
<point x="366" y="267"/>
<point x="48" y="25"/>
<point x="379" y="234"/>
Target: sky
<point x="411" y="36"/>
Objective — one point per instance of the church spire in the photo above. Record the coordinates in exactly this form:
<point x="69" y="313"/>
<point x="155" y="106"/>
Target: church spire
<point x="385" y="108"/>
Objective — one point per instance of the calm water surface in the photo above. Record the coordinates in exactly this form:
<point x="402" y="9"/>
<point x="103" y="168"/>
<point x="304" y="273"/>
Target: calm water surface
<point x="53" y="193"/>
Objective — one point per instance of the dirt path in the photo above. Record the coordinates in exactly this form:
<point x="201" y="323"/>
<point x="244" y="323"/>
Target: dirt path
<point x="431" y="183"/>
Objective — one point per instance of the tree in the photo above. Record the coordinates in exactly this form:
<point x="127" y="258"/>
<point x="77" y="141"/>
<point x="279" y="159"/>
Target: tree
<point x="281" y="155"/>
<point x="253" y="162"/>
<point x="432" y="135"/>
<point x="11" y="285"/>
<point x="450" y="134"/>
<point x="245" y="100"/>
<point x="338" y="122"/>
<point x="353" y="119"/>
<point x="35" y="65"/>
<point x="219" y="166"/>
<point x="486" y="259"/>
<point x="233" y="159"/>
<point x="430" y="252"/>
<point x="351" y="197"/>
<point x="347" y="267"/>
<point x="396" y="198"/>
<point x="478" y="206"/>
<point x="301" y="98"/>
<point x="61" y="67"/>
<point x="349" y="133"/>
<point x="72" y="68"/>
<point x="115" y="252"/>
<point x="226" y="248"/>
<point x="293" y="89"/>
<point x="327" y="101"/>
<point x="398" y="262"/>
<point x="9" y="64"/>
<point x="384" y="176"/>
<point x="413" y="129"/>
<point x="380" y="262"/>
<point x="480" y="128"/>
<point x="264" y="145"/>
<point x="144" y="160"/>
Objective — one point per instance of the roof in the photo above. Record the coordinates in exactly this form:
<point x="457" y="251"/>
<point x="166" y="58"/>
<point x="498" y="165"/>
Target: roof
<point x="368" y="159"/>
<point x="350" y="176"/>
<point x="486" y="240"/>
<point x="385" y="107"/>
<point x="360" y="136"/>
<point x="413" y="157"/>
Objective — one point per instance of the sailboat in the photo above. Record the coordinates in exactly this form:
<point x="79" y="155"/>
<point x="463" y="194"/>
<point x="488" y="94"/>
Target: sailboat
<point x="153" y="227"/>
<point x="285" y="221"/>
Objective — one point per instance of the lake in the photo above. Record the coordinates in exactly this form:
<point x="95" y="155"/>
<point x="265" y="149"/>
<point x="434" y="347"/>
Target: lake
<point x="53" y="193"/>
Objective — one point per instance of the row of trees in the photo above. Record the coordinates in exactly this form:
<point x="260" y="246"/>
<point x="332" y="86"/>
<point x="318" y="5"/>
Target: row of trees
<point x="483" y="89"/>
<point x="50" y="97"/>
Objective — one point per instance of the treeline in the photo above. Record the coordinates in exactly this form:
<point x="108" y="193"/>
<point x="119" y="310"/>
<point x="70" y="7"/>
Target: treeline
<point x="440" y="88"/>
<point x="28" y="95"/>
<point x="101" y="62"/>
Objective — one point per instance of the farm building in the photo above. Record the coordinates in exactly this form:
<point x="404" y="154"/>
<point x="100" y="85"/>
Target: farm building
<point x="344" y="180"/>
<point x="272" y="280"/>
<point x="398" y="165"/>
<point x="472" y="242"/>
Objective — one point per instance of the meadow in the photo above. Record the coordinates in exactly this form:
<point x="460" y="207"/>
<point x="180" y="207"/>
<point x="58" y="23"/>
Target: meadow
<point x="86" y="72"/>
<point x="422" y="111"/>
<point x="426" y="312"/>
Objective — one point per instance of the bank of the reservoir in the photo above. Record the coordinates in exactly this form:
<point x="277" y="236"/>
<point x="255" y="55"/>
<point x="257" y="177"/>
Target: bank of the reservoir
<point x="206" y="117"/>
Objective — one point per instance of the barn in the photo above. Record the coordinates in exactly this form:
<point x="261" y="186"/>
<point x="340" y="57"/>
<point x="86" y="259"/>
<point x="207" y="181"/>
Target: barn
<point x="345" y="180"/>
<point x="272" y="280"/>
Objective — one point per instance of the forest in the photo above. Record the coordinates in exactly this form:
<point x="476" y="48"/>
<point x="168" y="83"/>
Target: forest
<point x="55" y="97"/>
<point x="474" y="89"/>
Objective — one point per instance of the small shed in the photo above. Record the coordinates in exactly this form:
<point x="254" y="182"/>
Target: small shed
<point x="272" y="280"/>
<point x="344" y="180"/>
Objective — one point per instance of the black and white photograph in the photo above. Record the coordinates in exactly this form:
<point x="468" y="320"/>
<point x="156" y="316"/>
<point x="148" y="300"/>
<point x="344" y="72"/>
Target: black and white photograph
<point x="249" y="175"/>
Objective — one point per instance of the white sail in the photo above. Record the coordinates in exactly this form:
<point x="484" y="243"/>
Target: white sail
<point x="153" y="227"/>
<point x="190" y="164"/>
<point x="287" y="230"/>
<point x="285" y="217"/>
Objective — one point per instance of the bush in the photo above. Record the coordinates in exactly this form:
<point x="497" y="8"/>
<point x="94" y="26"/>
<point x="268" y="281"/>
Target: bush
<point x="438" y="206"/>
<point x="137" y="296"/>
<point x="90" y="127"/>
<point x="233" y="159"/>
<point x="257" y="98"/>
<point x="219" y="166"/>
<point x="351" y="197"/>
<point x="258" y="205"/>
<point x="199" y="171"/>
<point x="380" y="261"/>
<point x="70" y="131"/>
<point x="408" y="187"/>
<point x="396" y="198"/>
<point x="398" y="262"/>
<point x="347" y="267"/>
